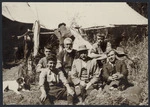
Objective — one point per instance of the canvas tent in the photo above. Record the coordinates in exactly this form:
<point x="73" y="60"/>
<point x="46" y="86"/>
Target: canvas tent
<point x="20" y="12"/>
<point x="85" y="15"/>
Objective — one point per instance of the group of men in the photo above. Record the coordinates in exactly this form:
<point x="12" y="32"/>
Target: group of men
<point x="73" y="74"/>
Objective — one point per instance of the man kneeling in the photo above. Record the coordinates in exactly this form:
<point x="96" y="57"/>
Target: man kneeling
<point x="58" y="87"/>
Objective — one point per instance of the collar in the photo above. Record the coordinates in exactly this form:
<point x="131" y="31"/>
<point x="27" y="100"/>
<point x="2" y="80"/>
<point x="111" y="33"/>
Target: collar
<point x="49" y="72"/>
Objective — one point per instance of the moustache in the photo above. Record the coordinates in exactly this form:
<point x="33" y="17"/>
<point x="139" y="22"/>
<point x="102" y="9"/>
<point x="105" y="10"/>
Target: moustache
<point x="69" y="50"/>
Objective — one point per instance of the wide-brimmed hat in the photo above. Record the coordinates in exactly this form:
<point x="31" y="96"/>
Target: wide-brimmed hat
<point x="82" y="48"/>
<point x="119" y="51"/>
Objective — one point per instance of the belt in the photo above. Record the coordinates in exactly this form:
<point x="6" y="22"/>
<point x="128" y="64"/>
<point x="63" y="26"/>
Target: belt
<point x="55" y="84"/>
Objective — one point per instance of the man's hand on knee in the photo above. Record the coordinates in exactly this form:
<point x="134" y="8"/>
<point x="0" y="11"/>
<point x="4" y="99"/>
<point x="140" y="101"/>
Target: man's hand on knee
<point x="88" y="85"/>
<point x="43" y="96"/>
<point x="70" y="91"/>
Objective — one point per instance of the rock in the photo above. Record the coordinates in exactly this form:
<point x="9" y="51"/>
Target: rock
<point x="133" y="94"/>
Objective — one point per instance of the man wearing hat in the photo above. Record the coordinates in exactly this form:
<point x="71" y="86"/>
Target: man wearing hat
<point x="100" y="46"/>
<point x="115" y="72"/>
<point x="85" y="72"/>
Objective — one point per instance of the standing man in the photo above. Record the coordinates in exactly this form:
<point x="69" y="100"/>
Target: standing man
<point x="15" y="47"/>
<point x="115" y="72"/>
<point x="63" y="32"/>
<point x="85" y="72"/>
<point x="66" y="57"/>
<point x="58" y="87"/>
<point x="100" y="46"/>
<point x="28" y="42"/>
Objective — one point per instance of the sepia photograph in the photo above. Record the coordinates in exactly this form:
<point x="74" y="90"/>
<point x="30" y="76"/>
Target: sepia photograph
<point x="75" y="53"/>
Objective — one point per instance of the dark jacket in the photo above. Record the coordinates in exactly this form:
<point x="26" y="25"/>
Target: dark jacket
<point x="119" y="66"/>
<point x="65" y="61"/>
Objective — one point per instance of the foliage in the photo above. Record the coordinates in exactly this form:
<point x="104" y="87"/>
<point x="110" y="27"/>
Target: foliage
<point x="140" y="7"/>
<point x="140" y="78"/>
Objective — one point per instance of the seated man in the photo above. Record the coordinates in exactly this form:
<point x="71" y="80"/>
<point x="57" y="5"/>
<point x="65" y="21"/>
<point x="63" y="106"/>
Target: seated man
<point x="85" y="72"/>
<point x="100" y="46"/>
<point x="115" y="72"/>
<point x="66" y="57"/>
<point x="43" y="61"/>
<point x="58" y="87"/>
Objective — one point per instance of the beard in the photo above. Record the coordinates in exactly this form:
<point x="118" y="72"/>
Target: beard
<point x="83" y="58"/>
<point x="112" y="60"/>
<point x="69" y="50"/>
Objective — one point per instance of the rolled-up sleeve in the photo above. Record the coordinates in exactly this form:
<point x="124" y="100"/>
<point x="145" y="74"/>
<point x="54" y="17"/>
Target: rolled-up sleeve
<point x="59" y="60"/>
<point x="62" y="78"/>
<point x="39" y="65"/>
<point x="40" y="62"/>
<point x="94" y="50"/>
<point x="42" y="78"/>
<point x="59" y="64"/>
<point x="109" y="47"/>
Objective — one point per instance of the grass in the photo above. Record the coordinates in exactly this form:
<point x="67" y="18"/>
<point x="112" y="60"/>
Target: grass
<point x="140" y="79"/>
<point x="139" y="50"/>
<point x="11" y="98"/>
<point x="26" y="98"/>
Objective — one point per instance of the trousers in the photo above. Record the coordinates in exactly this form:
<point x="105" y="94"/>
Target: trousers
<point x="57" y="93"/>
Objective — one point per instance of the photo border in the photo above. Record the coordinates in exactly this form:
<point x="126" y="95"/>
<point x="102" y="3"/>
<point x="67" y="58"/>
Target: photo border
<point x="1" y="101"/>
